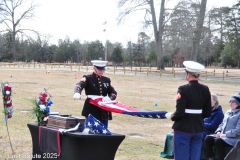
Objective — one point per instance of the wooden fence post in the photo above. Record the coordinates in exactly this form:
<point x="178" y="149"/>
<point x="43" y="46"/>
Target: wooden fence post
<point x="124" y="70"/>
<point x="160" y="71"/>
<point x="174" y="73"/>
<point x="114" y="69"/>
<point x="205" y="75"/>
<point x="135" y="71"/>
<point x="223" y="75"/>
<point x="147" y="72"/>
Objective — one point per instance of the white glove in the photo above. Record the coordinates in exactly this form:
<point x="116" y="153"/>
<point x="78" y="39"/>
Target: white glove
<point x="106" y="99"/>
<point x="168" y="115"/>
<point x="77" y="95"/>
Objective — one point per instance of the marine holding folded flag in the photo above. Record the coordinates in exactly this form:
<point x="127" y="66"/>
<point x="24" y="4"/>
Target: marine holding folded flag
<point x="192" y="105"/>
<point x="96" y="84"/>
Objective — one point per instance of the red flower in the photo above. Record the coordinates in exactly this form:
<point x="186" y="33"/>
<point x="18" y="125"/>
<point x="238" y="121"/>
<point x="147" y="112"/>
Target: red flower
<point x="7" y="98"/>
<point x="7" y="88"/>
<point x="9" y="116"/>
<point x="44" y="95"/>
<point x="43" y="100"/>
<point x="9" y="104"/>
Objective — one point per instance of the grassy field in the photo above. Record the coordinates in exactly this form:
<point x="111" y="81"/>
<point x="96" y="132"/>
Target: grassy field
<point x="144" y="137"/>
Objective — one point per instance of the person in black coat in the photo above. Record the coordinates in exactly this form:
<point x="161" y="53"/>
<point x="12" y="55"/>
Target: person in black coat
<point x="193" y="104"/>
<point x="96" y="84"/>
<point x="211" y="123"/>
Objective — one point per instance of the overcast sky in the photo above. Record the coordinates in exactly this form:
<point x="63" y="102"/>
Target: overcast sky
<point x="83" y="20"/>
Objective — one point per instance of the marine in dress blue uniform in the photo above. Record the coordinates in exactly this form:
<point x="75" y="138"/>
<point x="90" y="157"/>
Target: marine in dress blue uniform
<point x="96" y="84"/>
<point x="193" y="104"/>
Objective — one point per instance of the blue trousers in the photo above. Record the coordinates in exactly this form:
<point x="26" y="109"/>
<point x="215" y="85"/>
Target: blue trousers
<point x="187" y="146"/>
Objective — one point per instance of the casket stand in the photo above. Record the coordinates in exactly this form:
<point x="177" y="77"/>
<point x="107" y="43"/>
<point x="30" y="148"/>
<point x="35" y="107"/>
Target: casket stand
<point x="77" y="145"/>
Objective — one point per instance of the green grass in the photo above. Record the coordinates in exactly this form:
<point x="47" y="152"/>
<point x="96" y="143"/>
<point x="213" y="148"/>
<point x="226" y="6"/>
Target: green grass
<point x="144" y="137"/>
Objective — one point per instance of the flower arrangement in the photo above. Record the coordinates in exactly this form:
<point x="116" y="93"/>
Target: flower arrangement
<point x="41" y="108"/>
<point x="7" y="100"/>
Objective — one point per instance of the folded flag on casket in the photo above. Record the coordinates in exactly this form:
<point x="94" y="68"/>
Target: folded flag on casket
<point x="118" y="107"/>
<point x="95" y="126"/>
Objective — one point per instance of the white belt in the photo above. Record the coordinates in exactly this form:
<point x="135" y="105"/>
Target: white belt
<point x="193" y="111"/>
<point x="93" y="96"/>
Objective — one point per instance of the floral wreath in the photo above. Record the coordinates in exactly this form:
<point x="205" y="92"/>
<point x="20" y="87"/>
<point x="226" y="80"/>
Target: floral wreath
<point x="7" y="100"/>
<point x="41" y="108"/>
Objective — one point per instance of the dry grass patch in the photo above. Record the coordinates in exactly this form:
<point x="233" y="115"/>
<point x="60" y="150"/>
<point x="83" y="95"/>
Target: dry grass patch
<point x="144" y="137"/>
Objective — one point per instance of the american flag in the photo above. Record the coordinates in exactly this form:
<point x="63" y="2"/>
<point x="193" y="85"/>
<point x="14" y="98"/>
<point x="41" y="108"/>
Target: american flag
<point x="118" y="107"/>
<point x="95" y="126"/>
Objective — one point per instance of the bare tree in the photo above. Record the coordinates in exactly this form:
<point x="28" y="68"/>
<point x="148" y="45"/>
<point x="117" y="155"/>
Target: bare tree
<point x="180" y="28"/>
<point x="197" y="32"/>
<point x="11" y="17"/>
<point x="149" y="19"/>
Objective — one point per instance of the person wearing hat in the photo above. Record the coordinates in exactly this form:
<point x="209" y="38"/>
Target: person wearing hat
<point x="227" y="133"/>
<point x="193" y="104"/>
<point x="96" y="84"/>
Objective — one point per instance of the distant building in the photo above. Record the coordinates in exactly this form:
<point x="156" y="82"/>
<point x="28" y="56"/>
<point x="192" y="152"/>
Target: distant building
<point x="178" y="59"/>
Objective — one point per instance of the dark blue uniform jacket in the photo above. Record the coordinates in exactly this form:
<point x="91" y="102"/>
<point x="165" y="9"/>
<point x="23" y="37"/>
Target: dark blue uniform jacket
<point x="99" y="86"/>
<point x="192" y="96"/>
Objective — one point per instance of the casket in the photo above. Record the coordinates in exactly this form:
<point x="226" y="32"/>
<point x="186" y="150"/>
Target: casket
<point x="64" y="121"/>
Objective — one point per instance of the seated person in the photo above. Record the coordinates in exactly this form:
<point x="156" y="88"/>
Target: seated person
<point x="228" y="132"/>
<point x="211" y="123"/>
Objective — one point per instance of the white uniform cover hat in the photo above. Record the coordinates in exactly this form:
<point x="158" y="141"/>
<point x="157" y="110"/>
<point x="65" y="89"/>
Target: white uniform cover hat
<point x="193" y="67"/>
<point x="99" y="64"/>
